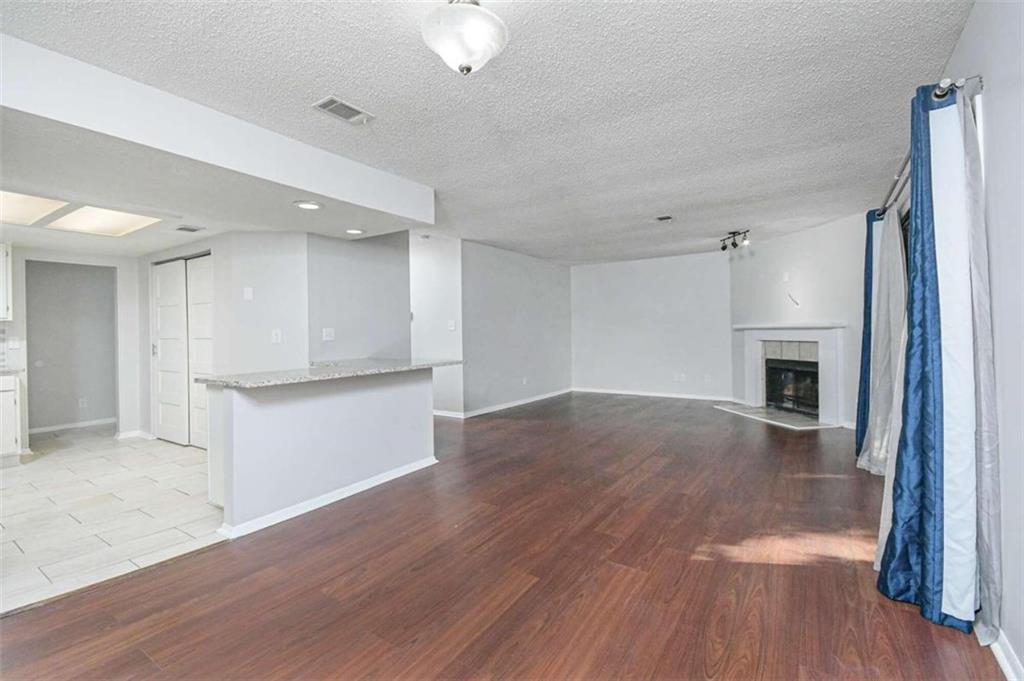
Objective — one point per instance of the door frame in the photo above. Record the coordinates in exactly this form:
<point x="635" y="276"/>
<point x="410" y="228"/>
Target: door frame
<point x="126" y="337"/>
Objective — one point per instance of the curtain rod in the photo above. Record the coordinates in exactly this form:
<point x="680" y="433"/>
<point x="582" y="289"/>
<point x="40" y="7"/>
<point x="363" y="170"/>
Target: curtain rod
<point x="902" y="176"/>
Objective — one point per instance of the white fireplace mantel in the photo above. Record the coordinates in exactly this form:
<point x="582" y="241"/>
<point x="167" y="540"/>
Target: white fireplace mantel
<point x="828" y="336"/>
<point x="808" y="325"/>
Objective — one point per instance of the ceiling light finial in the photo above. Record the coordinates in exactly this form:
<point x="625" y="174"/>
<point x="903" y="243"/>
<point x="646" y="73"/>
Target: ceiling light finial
<point x="464" y="34"/>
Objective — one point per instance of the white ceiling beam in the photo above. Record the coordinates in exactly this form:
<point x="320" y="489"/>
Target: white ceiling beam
<point x="44" y="83"/>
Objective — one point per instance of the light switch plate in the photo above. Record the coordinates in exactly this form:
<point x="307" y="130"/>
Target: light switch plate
<point x="247" y="293"/>
<point x="275" y="336"/>
<point x="327" y="334"/>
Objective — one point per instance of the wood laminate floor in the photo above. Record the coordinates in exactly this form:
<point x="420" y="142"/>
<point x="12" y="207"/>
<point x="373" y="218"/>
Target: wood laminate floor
<point x="586" y="536"/>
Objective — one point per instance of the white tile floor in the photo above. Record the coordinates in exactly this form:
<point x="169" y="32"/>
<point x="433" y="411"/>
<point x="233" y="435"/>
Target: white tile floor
<point x="92" y="507"/>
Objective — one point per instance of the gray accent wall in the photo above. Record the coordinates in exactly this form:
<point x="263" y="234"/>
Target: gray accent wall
<point x="517" y="330"/>
<point x="71" y="320"/>
<point x="653" y="326"/>
<point x="359" y="288"/>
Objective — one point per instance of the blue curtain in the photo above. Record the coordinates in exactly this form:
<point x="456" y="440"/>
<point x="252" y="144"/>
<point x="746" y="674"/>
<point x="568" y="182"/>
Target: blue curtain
<point x="864" y="388"/>
<point x="912" y="562"/>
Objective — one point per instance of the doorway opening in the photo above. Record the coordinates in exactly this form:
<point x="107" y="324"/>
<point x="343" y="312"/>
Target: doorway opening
<point x="71" y="324"/>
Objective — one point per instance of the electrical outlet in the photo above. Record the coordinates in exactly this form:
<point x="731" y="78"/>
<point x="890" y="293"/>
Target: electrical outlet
<point x="327" y="334"/>
<point x="82" y="403"/>
<point x="451" y="325"/>
<point x="275" y="336"/>
<point x="247" y="293"/>
<point x="525" y="380"/>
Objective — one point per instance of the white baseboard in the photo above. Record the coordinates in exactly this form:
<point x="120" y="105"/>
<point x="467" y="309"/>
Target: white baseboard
<point x="69" y="426"/>
<point x="250" y="526"/>
<point x="134" y="433"/>
<point x="644" y="393"/>
<point x="1007" y="658"/>
<point x="516" y="403"/>
<point x="449" y="414"/>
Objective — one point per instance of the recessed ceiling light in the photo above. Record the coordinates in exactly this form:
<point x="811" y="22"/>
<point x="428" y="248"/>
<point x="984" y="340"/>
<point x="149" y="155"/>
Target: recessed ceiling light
<point x="102" y="221"/>
<point x="24" y="209"/>
<point x="354" y="231"/>
<point x="305" y="204"/>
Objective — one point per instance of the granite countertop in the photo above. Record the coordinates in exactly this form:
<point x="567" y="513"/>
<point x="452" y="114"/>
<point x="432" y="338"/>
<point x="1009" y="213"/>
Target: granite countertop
<point x="325" y="371"/>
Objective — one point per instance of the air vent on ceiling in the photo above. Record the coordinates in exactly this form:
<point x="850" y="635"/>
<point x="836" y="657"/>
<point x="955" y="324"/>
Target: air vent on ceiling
<point x="189" y="228"/>
<point x="344" y="111"/>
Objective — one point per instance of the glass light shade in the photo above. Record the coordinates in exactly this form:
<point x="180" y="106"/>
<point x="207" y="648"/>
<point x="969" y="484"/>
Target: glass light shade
<point x="465" y="35"/>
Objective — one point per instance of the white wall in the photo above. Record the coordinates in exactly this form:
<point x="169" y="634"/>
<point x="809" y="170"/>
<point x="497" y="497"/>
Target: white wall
<point x="435" y="282"/>
<point x="360" y="288"/>
<point x="128" y="328"/>
<point x="813" y="276"/>
<point x="274" y="265"/>
<point x="516" y="326"/>
<point x="71" y="318"/>
<point x="991" y="45"/>
<point x="659" y="326"/>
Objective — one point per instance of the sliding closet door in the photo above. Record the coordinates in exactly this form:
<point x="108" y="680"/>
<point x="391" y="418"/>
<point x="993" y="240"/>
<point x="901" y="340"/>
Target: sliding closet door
<point x="170" y="352"/>
<point x="200" y="344"/>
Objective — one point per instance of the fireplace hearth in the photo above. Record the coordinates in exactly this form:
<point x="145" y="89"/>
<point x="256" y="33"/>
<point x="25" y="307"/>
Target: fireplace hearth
<point x="792" y="385"/>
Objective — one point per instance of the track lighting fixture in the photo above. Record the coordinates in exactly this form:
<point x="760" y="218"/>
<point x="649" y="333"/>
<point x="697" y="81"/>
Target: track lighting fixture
<point x="731" y="237"/>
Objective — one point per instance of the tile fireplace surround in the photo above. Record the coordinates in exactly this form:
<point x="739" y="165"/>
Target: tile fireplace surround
<point x="824" y="340"/>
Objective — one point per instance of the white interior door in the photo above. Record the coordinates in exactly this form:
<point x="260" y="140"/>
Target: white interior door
<point x="170" y="352"/>
<point x="200" y="344"/>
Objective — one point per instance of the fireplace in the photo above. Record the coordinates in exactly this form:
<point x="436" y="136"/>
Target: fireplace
<point x="791" y="385"/>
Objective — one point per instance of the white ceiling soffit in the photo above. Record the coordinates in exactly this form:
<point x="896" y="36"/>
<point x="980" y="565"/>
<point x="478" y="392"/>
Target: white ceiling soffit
<point x="45" y="83"/>
<point x="45" y="158"/>
<point x="773" y="116"/>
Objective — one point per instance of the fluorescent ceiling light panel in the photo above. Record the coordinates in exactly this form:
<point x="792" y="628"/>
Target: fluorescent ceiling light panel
<point x="102" y="221"/>
<point x="23" y="209"/>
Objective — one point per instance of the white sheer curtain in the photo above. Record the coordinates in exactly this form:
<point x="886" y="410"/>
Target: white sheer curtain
<point x="989" y="596"/>
<point x="888" y="350"/>
<point x="888" y="342"/>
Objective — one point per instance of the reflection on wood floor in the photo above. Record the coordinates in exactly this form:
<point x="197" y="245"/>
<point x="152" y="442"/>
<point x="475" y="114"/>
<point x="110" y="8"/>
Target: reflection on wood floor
<point x="586" y="536"/>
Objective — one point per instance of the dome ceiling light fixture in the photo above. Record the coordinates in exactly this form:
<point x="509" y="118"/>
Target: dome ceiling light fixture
<point x="464" y="34"/>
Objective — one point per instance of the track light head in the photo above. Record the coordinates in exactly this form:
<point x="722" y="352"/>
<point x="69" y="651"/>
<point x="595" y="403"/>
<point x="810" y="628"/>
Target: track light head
<point x="734" y="244"/>
<point x="746" y="239"/>
<point x="724" y="247"/>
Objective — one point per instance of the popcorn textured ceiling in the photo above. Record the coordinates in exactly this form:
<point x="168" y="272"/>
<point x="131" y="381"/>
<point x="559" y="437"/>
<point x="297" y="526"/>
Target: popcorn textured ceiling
<point x="596" y="118"/>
